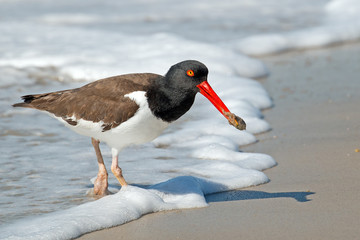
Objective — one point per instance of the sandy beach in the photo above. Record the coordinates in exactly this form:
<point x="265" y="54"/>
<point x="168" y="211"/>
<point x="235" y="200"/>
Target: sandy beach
<point x="314" y="190"/>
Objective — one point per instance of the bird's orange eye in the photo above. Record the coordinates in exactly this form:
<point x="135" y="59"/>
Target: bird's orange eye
<point x="190" y="73"/>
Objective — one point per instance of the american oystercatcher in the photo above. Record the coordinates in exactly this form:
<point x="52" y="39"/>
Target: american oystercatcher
<point x="128" y="109"/>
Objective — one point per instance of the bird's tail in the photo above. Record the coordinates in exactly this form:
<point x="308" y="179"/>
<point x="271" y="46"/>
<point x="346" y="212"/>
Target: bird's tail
<point x="28" y="100"/>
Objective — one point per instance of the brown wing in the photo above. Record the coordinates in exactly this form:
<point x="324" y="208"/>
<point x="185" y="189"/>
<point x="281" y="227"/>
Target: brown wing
<point x="102" y="100"/>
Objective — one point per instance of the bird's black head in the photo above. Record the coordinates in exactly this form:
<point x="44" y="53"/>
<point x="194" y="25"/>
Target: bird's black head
<point x="173" y="95"/>
<point x="186" y="75"/>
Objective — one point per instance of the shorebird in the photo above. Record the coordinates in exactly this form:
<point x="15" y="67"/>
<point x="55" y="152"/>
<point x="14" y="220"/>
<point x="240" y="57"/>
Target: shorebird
<point x="128" y="109"/>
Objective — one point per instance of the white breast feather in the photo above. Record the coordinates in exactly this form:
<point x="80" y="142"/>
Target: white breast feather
<point x="142" y="127"/>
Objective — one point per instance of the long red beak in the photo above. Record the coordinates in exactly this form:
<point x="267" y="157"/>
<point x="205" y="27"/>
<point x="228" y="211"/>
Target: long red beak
<point x="209" y="93"/>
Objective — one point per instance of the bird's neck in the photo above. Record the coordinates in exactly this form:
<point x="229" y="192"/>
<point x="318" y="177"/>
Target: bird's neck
<point x="169" y="104"/>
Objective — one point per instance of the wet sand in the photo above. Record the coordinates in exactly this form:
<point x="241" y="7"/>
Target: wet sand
<point x="314" y="191"/>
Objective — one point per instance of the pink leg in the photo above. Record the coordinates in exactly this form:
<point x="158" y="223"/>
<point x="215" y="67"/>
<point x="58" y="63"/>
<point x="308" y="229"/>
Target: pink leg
<point x="101" y="182"/>
<point x="116" y="169"/>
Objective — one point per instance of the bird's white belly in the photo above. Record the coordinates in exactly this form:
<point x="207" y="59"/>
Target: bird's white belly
<point x="142" y="127"/>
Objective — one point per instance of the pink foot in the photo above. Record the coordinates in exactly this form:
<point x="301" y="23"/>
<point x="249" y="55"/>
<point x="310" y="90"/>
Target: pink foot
<point x="101" y="185"/>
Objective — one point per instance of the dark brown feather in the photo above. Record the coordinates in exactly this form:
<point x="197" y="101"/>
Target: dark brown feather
<point x="102" y="100"/>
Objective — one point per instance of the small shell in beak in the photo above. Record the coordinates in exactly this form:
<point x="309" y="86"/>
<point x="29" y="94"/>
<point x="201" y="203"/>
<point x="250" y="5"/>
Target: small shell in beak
<point x="236" y="121"/>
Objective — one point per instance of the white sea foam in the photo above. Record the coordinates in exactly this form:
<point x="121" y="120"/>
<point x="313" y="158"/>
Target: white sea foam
<point x="87" y="54"/>
<point x="131" y="203"/>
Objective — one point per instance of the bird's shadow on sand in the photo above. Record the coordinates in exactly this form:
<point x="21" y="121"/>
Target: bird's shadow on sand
<point x="182" y="184"/>
<point x="189" y="184"/>
<point x="237" y="195"/>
